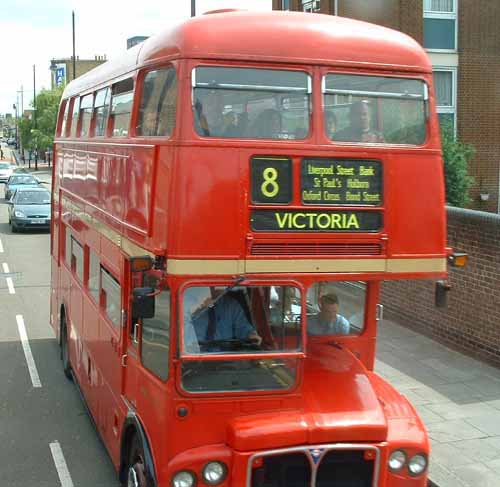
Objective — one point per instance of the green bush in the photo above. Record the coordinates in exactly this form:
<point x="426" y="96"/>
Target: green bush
<point x="456" y="156"/>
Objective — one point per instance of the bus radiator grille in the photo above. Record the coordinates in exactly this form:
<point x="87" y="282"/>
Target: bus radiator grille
<point x="319" y="248"/>
<point x="337" y="468"/>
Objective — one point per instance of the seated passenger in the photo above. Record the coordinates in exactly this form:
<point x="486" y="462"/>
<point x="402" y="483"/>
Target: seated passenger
<point x="224" y="319"/>
<point x="330" y="124"/>
<point x="267" y="125"/>
<point x="231" y="127"/>
<point x="359" y="130"/>
<point x="328" y="321"/>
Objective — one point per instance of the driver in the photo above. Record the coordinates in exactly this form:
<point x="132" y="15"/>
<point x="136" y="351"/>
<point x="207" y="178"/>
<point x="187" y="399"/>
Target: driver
<point x="224" y="319"/>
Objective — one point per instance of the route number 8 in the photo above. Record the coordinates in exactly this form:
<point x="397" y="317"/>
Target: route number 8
<point x="270" y="188"/>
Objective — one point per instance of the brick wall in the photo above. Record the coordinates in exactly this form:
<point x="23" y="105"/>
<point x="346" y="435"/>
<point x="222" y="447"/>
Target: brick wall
<point x="478" y="109"/>
<point x="471" y="322"/>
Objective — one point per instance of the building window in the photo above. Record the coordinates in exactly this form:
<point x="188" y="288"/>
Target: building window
<point x="440" y="25"/>
<point x="445" y="82"/>
<point x="285" y="4"/>
<point x="311" y="5"/>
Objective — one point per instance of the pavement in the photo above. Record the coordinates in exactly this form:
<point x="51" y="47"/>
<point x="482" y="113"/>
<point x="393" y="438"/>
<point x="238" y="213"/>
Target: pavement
<point x="458" y="399"/>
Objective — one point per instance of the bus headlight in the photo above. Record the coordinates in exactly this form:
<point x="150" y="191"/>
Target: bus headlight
<point x="417" y="464"/>
<point x="214" y="473"/>
<point x="184" y="478"/>
<point x="397" y="460"/>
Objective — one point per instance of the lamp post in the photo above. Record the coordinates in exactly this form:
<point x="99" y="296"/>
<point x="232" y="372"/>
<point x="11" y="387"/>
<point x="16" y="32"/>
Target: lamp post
<point x="14" y="106"/>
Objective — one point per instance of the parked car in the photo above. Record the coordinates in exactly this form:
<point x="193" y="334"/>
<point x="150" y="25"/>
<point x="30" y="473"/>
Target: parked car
<point x="5" y="171"/>
<point x="19" y="180"/>
<point x="29" y="208"/>
<point x="11" y="141"/>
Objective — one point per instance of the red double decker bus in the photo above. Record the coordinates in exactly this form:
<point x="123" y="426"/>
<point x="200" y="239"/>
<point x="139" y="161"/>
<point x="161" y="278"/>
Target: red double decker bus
<point x="227" y="199"/>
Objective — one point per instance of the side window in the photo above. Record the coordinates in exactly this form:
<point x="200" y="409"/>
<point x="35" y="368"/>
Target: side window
<point x="110" y="297"/>
<point x="336" y="308"/>
<point x="94" y="273"/>
<point x="86" y="114"/>
<point x="156" y="336"/>
<point x="77" y="259"/>
<point x="101" y="110"/>
<point x="158" y="104"/>
<point x="62" y="132"/>
<point x="67" y="249"/>
<point x="74" y="116"/>
<point x="121" y="107"/>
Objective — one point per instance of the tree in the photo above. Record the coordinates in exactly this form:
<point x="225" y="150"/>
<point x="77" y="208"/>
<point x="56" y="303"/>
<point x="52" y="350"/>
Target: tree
<point x="456" y="156"/>
<point x="41" y="137"/>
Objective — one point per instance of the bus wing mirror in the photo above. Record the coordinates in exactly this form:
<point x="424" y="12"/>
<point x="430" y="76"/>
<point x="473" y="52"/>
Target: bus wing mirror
<point x="441" y="293"/>
<point x="143" y="302"/>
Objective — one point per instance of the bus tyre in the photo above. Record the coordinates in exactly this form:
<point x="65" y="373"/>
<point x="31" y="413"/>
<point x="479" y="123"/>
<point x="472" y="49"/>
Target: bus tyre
<point x="64" y="350"/>
<point x="135" y="465"/>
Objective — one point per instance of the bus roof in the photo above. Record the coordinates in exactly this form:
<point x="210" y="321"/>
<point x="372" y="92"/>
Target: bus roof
<point x="276" y="37"/>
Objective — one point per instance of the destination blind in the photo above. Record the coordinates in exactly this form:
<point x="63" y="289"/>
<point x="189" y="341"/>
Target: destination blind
<point x="341" y="182"/>
<point x="315" y="221"/>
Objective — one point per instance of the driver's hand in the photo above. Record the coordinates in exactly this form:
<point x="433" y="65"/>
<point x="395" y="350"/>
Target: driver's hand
<point x="254" y="337"/>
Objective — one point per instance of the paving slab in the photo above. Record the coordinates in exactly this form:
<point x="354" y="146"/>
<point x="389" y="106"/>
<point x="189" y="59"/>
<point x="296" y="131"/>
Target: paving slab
<point x="458" y="399"/>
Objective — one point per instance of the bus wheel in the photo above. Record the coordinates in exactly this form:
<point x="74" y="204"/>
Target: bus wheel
<point x="64" y="350"/>
<point x="135" y="465"/>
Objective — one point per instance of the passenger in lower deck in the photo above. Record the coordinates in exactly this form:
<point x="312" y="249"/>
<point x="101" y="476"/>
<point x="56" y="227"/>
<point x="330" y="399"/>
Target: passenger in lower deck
<point x="328" y="321"/>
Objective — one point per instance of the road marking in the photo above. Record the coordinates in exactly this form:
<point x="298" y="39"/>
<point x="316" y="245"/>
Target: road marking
<point x="1" y="246"/>
<point x="35" y="379"/>
<point x="61" y="467"/>
<point x="10" y="284"/>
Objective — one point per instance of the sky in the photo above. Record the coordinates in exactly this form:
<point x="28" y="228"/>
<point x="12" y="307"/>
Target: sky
<point x="32" y="32"/>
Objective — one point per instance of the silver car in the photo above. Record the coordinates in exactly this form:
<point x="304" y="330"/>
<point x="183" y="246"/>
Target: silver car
<point x="29" y="208"/>
<point x="5" y="171"/>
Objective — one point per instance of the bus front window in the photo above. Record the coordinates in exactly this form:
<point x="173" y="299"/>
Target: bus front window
<point x="240" y="319"/>
<point x="375" y="109"/>
<point x="251" y="103"/>
<point x="336" y="308"/>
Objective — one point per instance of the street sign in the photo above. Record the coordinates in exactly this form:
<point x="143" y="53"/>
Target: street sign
<point x="60" y="74"/>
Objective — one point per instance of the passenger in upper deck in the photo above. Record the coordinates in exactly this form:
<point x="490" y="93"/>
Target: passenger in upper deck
<point x="360" y="128"/>
<point x="208" y="109"/>
<point x="328" y="321"/>
<point x="267" y="125"/>
<point x="330" y="124"/>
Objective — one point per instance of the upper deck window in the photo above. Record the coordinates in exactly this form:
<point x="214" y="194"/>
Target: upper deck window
<point x="86" y="114"/>
<point x="251" y="103"/>
<point x="158" y="104"/>
<point x="121" y="107"/>
<point x="375" y="109"/>
<point x="64" y="123"/>
<point x="74" y="117"/>
<point x="101" y="110"/>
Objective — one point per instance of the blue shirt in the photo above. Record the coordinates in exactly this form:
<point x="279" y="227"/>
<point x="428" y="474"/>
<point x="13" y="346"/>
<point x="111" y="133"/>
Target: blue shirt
<point x="316" y="326"/>
<point x="230" y="321"/>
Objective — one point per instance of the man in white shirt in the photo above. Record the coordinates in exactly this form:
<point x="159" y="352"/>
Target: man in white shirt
<point x="328" y="321"/>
